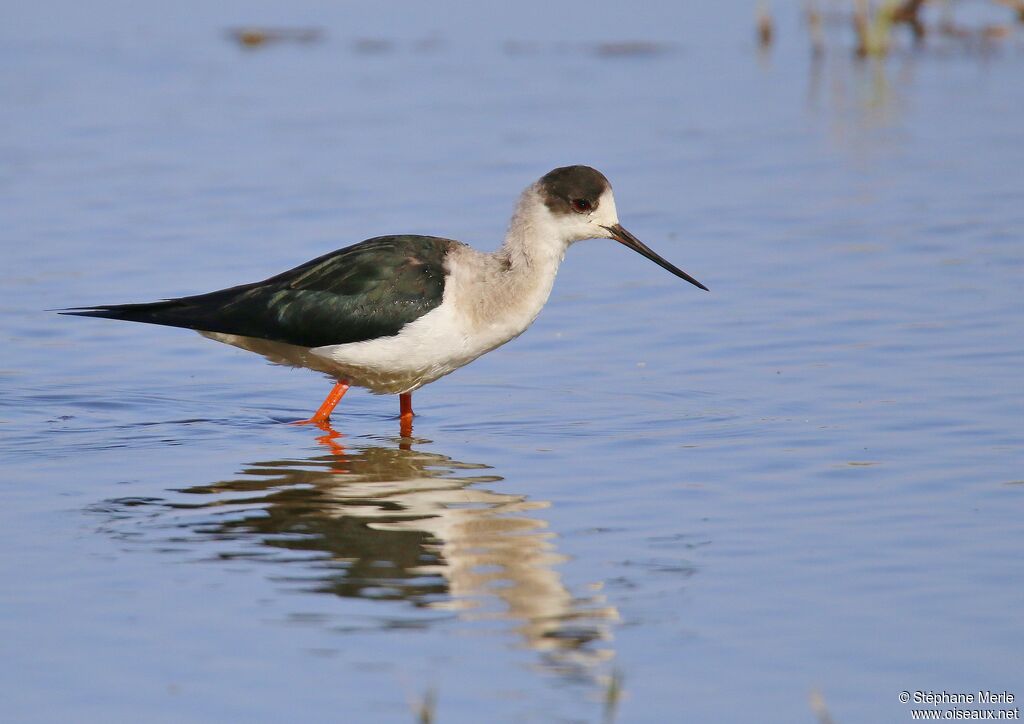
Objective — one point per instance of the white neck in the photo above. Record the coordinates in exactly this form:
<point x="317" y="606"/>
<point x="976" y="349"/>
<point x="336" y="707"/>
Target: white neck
<point x="501" y="293"/>
<point x="534" y="243"/>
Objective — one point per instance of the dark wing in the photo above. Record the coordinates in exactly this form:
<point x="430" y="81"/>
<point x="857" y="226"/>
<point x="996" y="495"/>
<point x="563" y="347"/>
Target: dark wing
<point x="368" y="290"/>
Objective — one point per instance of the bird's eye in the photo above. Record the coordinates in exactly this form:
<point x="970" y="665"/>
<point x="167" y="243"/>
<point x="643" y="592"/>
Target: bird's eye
<point x="581" y="205"/>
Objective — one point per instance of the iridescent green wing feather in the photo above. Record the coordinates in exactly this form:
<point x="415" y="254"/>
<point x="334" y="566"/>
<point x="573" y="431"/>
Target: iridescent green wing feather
<point x="358" y="293"/>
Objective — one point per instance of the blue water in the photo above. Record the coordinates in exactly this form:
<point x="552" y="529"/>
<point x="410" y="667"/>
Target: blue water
<point x="659" y="504"/>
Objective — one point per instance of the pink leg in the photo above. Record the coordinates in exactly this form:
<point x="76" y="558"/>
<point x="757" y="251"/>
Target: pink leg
<point x="405" y="404"/>
<point x="323" y="413"/>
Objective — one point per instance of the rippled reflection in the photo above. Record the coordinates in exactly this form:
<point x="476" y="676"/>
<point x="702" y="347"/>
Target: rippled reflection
<point x="389" y="522"/>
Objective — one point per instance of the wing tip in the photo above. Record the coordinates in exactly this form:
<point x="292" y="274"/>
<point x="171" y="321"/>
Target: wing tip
<point x="96" y="310"/>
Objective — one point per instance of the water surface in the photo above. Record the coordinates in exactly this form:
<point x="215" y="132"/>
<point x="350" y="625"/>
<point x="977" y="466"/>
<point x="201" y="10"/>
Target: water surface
<point x="658" y="504"/>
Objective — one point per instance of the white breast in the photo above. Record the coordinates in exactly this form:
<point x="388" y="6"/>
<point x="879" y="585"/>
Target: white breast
<point x="484" y="306"/>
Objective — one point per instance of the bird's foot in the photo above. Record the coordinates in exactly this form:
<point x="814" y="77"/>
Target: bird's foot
<point x="324" y="423"/>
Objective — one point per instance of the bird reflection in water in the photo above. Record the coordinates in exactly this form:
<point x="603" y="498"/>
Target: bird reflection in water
<point x="389" y="522"/>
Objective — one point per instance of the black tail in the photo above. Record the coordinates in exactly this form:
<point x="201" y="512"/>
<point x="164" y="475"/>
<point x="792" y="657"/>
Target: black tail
<point x="170" y="313"/>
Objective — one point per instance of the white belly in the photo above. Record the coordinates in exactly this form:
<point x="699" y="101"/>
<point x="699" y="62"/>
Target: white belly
<point x="433" y="346"/>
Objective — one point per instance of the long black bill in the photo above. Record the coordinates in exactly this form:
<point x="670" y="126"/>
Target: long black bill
<point x="624" y="237"/>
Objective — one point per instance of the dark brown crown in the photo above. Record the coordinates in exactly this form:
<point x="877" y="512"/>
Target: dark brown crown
<point x="565" y="185"/>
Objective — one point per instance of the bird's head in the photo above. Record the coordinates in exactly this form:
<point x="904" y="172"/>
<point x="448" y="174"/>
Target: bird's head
<point x="581" y="205"/>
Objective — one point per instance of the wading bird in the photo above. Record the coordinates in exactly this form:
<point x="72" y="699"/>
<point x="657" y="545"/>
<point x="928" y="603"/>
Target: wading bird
<point x="394" y="313"/>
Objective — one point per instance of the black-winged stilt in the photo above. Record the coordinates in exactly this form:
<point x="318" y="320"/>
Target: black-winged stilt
<point x="394" y="313"/>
